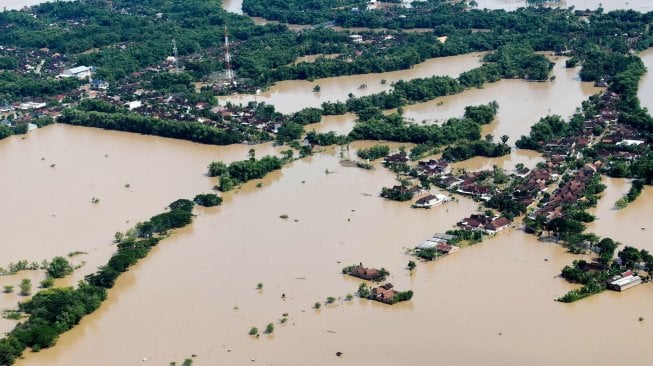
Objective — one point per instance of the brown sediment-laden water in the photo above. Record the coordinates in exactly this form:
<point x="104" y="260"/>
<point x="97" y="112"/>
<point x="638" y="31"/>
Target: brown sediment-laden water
<point x="51" y="176"/>
<point x="195" y="294"/>
<point x="492" y="303"/>
<point x="293" y="95"/>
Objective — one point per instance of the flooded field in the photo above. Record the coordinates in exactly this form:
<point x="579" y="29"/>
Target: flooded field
<point x="293" y="95"/>
<point x="646" y="84"/>
<point x="521" y="104"/>
<point x="607" y="5"/>
<point x="195" y="294"/>
<point x="632" y="225"/>
<point x="53" y="174"/>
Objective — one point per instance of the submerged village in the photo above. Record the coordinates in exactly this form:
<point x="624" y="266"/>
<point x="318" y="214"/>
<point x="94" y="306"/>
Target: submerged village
<point x="194" y="72"/>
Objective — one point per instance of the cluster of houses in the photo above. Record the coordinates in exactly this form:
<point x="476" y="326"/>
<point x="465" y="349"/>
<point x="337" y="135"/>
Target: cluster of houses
<point x="566" y="194"/>
<point x="484" y="223"/>
<point x="384" y="293"/>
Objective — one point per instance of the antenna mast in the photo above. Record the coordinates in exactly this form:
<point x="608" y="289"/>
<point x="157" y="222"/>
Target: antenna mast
<point x="227" y="56"/>
<point x="174" y="51"/>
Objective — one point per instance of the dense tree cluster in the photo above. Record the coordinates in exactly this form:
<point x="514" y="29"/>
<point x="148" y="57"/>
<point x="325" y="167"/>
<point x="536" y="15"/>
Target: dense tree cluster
<point x="374" y="152"/>
<point x="134" y="122"/>
<point x="242" y="171"/>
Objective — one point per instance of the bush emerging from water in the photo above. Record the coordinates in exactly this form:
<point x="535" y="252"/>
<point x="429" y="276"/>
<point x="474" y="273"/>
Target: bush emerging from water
<point x="208" y="200"/>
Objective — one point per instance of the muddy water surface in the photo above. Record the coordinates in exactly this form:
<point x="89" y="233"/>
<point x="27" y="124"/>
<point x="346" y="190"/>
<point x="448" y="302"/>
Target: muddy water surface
<point x="51" y="175"/>
<point x="646" y="84"/>
<point x="632" y="225"/>
<point x="291" y="96"/>
<point x="195" y="294"/>
<point x="521" y="103"/>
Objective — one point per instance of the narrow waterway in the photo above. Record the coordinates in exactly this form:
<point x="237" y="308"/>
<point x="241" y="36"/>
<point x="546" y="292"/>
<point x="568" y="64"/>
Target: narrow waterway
<point x="646" y="84"/>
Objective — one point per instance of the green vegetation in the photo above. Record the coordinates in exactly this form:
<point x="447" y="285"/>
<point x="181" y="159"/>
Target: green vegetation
<point x="269" y="329"/>
<point x="25" y="287"/>
<point x="21" y="265"/>
<point x="207" y="200"/>
<point x="134" y="122"/>
<point x="242" y="171"/>
<point x="466" y="150"/>
<point x="12" y="315"/>
<point x="411" y="265"/>
<point x="253" y="331"/>
<point x="482" y="114"/>
<point x="259" y="286"/>
<point x="634" y="192"/>
<point x="364" y="291"/>
<point x="326" y="139"/>
<point x="317" y="305"/>
<point x="59" y="267"/>
<point x="55" y="310"/>
<point x="47" y="282"/>
<point x="8" y="289"/>
<point x="374" y="152"/>
<point x="400" y="194"/>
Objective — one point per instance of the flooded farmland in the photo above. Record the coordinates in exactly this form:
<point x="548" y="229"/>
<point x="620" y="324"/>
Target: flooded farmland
<point x="293" y="95"/>
<point x="646" y="84"/>
<point x="195" y="294"/>
<point x="521" y="104"/>
<point x="54" y="173"/>
<point x="630" y="226"/>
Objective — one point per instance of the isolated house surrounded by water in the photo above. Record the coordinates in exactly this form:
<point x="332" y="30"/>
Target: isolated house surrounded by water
<point x="625" y="281"/>
<point x="384" y="293"/>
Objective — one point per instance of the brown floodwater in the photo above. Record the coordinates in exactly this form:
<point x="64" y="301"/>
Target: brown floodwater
<point x="521" y="103"/>
<point x="607" y="5"/>
<point x="51" y="175"/>
<point x="646" y="84"/>
<point x="490" y="304"/>
<point x="293" y="95"/>
<point x="632" y="225"/>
